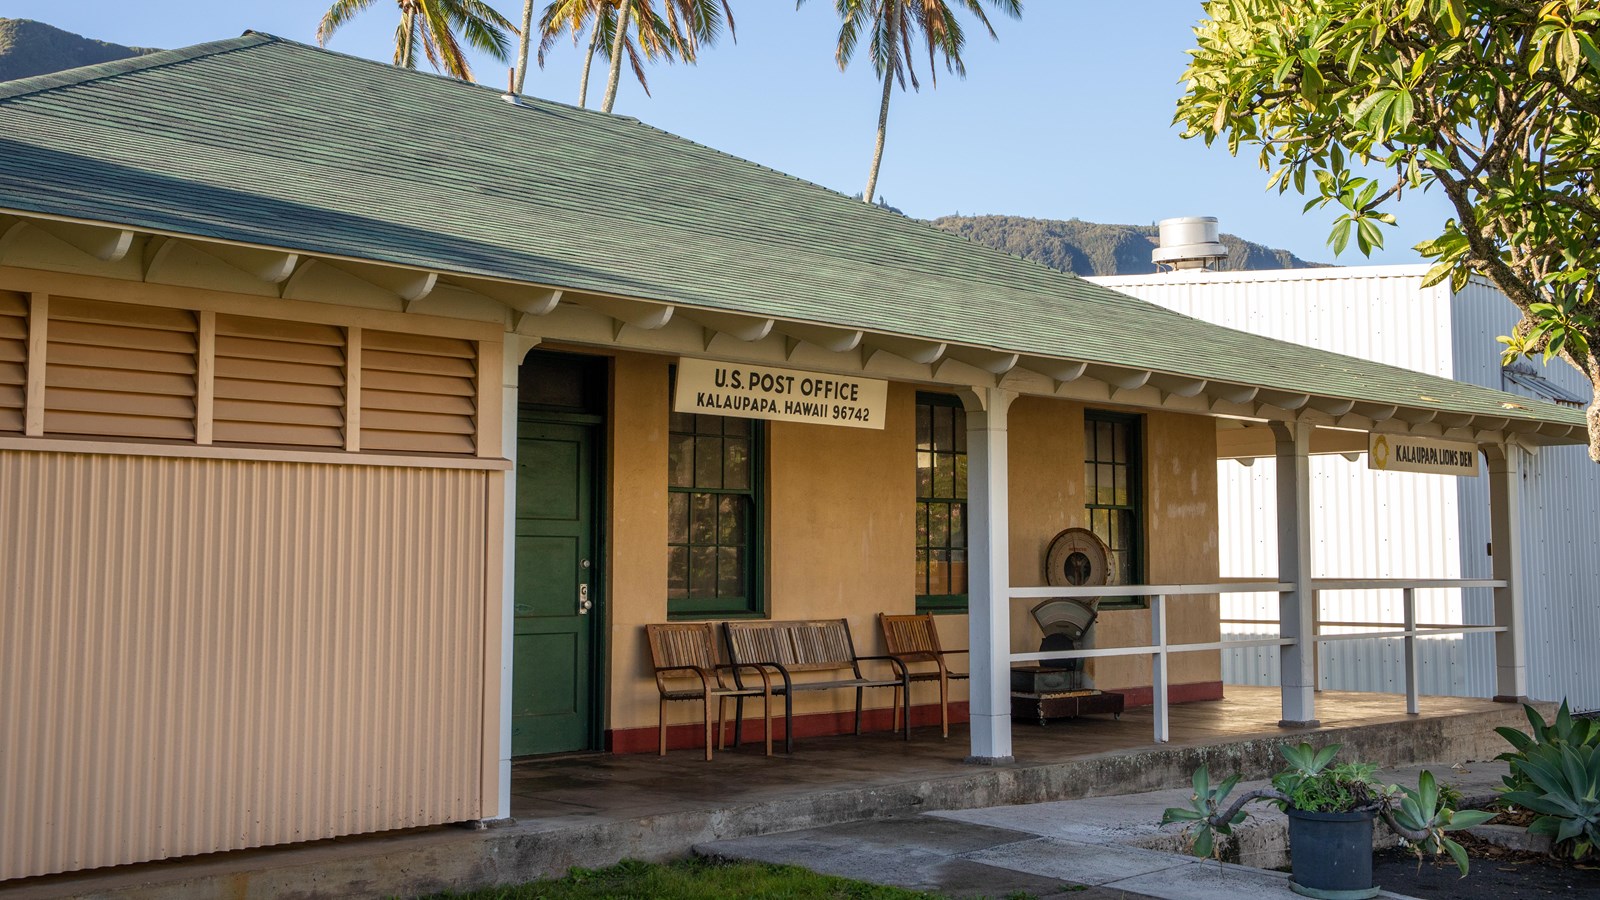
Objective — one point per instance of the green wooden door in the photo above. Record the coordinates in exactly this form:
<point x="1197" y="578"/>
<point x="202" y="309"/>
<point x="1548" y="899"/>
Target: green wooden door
<point x="553" y="677"/>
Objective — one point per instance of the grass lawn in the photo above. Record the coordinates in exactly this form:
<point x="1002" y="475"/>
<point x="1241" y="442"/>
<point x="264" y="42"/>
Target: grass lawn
<point x="693" y="879"/>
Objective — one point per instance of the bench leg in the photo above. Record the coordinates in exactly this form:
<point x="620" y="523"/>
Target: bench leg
<point x="897" y="711"/>
<point x="705" y="711"/>
<point x="788" y="722"/>
<point x="738" y="722"/>
<point x="766" y="715"/>
<point x="858" y="711"/>
<point x="944" y="703"/>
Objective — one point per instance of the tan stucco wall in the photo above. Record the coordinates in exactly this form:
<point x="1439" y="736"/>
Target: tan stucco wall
<point x="841" y="530"/>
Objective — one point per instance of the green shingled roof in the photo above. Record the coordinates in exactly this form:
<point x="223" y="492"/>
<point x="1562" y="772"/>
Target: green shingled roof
<point x="270" y="142"/>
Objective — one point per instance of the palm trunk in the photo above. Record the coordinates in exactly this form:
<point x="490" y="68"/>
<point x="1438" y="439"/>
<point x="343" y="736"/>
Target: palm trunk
<point x="617" y="45"/>
<point x="588" y="60"/>
<point x="883" y="128"/>
<point x="522" y="46"/>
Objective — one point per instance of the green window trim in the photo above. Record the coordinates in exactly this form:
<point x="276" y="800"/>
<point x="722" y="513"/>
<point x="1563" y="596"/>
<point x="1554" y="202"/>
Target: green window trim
<point x="716" y="516"/>
<point x="942" y="571"/>
<point x="1113" y="465"/>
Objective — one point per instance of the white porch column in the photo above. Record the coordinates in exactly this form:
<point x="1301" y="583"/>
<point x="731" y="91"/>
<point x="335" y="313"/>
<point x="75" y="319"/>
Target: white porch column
<point x="517" y="347"/>
<point x="1297" y="610"/>
<point x="1505" y="541"/>
<point x="989" y="574"/>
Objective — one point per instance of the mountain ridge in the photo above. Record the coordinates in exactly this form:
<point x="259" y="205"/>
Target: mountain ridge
<point x="29" y="47"/>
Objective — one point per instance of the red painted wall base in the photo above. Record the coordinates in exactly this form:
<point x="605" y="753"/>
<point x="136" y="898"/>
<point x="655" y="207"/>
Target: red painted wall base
<point x="684" y="737"/>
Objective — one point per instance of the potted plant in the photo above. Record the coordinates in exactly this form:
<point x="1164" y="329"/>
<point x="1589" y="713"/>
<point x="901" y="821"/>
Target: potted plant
<point x="1331" y="810"/>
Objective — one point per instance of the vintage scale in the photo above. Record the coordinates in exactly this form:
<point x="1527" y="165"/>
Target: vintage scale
<point x="1076" y="558"/>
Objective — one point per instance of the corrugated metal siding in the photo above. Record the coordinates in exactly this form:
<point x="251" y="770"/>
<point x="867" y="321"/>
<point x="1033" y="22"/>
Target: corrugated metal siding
<point x="1368" y="524"/>
<point x="201" y="655"/>
<point x="1560" y="506"/>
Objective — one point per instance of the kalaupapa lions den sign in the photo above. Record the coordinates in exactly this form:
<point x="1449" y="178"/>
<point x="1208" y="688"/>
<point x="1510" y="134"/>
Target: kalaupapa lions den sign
<point x="1410" y="453"/>
<point x="786" y="395"/>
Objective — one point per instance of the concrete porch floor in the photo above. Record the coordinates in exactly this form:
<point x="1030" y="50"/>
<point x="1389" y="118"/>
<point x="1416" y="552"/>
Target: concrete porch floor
<point x="593" y="810"/>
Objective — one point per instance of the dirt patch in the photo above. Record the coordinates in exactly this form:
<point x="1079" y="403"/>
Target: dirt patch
<point x="1497" y="874"/>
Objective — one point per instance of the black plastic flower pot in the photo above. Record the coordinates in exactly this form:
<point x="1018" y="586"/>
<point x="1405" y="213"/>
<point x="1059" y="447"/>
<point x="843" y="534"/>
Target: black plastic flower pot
<point x="1331" y="855"/>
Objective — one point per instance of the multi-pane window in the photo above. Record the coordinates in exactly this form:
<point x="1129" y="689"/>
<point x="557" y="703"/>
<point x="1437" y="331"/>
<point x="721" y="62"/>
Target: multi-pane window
<point x="713" y="515"/>
<point x="1111" y="468"/>
<point x="941" y="503"/>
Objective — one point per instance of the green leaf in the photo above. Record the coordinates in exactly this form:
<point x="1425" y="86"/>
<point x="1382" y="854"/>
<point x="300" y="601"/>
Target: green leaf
<point x="1204" y="841"/>
<point x="1468" y="818"/>
<point x="1457" y="853"/>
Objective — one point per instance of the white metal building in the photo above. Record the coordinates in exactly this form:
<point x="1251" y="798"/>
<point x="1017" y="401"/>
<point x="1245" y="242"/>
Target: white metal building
<point x="1371" y="524"/>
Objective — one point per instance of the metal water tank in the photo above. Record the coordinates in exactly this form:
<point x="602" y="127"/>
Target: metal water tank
<point x="1189" y="242"/>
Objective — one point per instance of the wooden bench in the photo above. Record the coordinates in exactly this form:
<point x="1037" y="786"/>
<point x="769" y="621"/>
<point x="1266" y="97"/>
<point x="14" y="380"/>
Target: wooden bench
<point x="915" y="639"/>
<point x="806" y="646"/>
<point x="687" y="652"/>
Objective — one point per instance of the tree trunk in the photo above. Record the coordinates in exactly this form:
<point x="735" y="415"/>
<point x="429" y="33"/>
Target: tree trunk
<point x="1594" y="425"/>
<point x="617" y="46"/>
<point x="588" y="60"/>
<point x="522" y="46"/>
<point x="883" y="128"/>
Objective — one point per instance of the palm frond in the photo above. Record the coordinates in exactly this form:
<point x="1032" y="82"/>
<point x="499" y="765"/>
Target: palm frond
<point x="339" y="13"/>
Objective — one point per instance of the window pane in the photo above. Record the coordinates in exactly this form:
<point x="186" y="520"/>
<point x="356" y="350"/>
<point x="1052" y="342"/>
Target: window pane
<point x="736" y="426"/>
<point x="958" y="571"/>
<point x="924" y="427"/>
<point x="1089" y="493"/>
<point x="1103" y="442"/>
<point x="924" y="474"/>
<point x="683" y="422"/>
<point x="922" y="525"/>
<point x="702" y="571"/>
<point x="730" y="572"/>
<point x="707" y="461"/>
<point x="1119" y="443"/>
<point x="677" y="573"/>
<point x="922" y="572"/>
<point x="944" y="475"/>
<point x="938" y="571"/>
<point x="943" y="438"/>
<point x="708" y="424"/>
<point x="1120" y="496"/>
<point x="961" y="477"/>
<point x="703" y="519"/>
<point x="958" y="525"/>
<point x="1124" y="530"/>
<point x="677" y="518"/>
<point x="960" y="429"/>
<point x="737" y="469"/>
<point x="731" y="521"/>
<point x="680" y="461"/>
<point x="938" y="525"/>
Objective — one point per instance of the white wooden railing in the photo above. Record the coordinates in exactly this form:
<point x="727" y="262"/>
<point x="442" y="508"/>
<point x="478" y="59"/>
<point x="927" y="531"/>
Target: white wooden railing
<point x="1159" y="648"/>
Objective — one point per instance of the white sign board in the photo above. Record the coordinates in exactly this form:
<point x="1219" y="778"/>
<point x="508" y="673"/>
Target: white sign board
<point x="785" y="395"/>
<point x="1410" y="453"/>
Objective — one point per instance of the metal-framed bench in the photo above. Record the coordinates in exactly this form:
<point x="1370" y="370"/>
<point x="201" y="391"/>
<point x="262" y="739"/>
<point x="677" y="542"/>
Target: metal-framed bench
<point x="804" y="646"/>
<point x="687" y="652"/>
<point x="915" y="639"/>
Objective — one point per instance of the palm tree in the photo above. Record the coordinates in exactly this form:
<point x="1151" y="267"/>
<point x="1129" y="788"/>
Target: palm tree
<point x="433" y="24"/>
<point x="676" y="31"/>
<point x="890" y="26"/>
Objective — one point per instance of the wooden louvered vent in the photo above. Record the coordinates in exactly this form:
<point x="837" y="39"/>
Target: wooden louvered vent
<point x="279" y="383"/>
<point x="13" y="360"/>
<point x="119" y="370"/>
<point x="418" y="394"/>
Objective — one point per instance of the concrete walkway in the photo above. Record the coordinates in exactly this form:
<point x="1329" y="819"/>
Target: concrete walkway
<point x="1111" y="845"/>
<point x="595" y="810"/>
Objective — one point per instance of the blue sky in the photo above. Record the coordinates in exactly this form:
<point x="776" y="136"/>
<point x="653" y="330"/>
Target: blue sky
<point x="1067" y="115"/>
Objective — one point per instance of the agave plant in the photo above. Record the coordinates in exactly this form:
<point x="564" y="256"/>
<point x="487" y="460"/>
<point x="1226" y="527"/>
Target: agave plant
<point x="1564" y="790"/>
<point x="1565" y="730"/>
<point x="1312" y="784"/>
